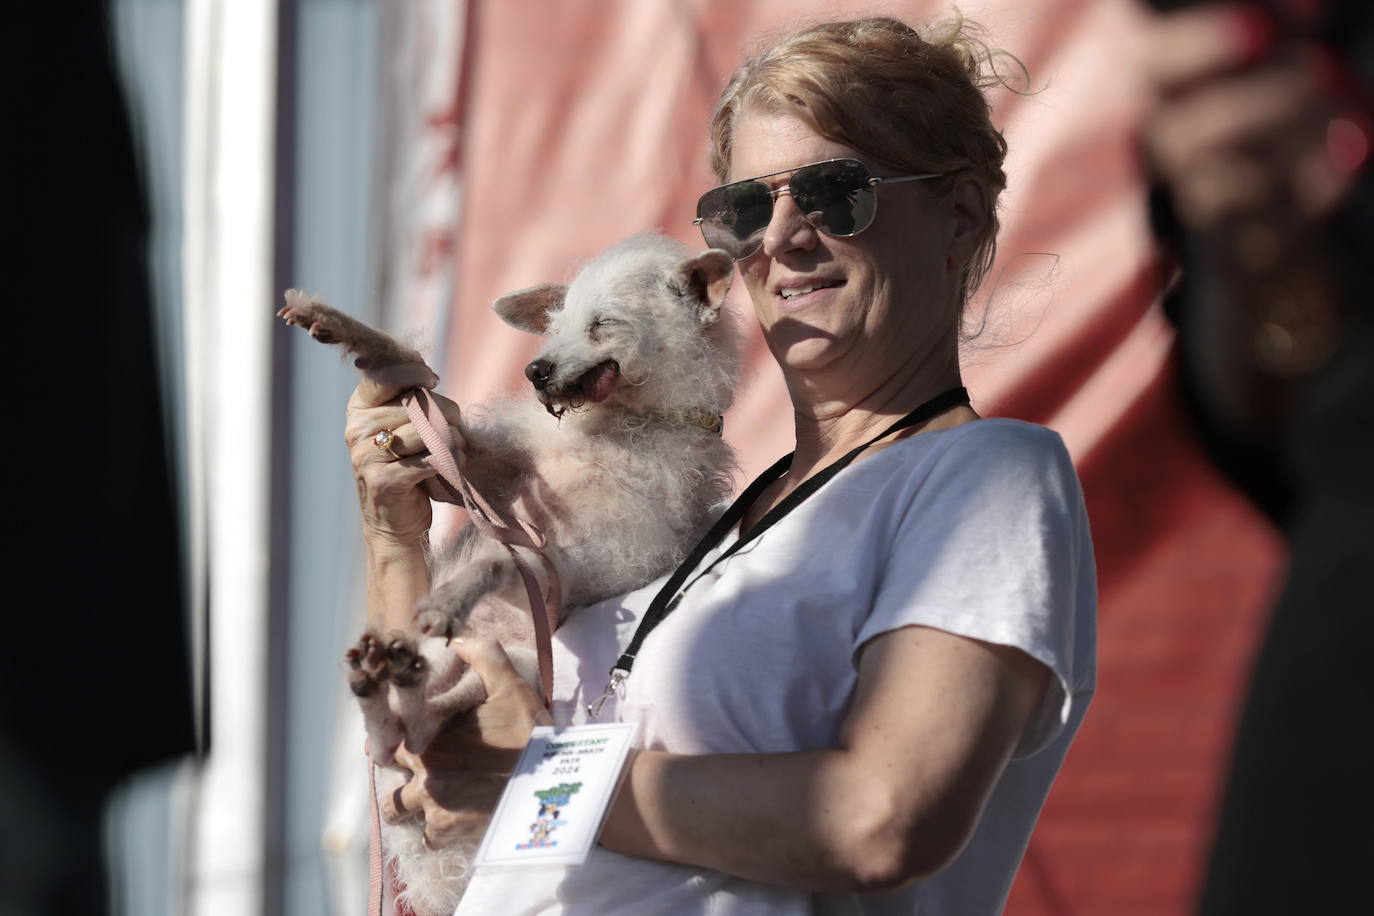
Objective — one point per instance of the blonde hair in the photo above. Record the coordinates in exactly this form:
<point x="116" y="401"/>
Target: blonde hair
<point x="910" y="101"/>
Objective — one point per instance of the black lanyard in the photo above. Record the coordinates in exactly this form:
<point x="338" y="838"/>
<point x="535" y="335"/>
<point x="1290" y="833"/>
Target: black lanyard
<point x="668" y="597"/>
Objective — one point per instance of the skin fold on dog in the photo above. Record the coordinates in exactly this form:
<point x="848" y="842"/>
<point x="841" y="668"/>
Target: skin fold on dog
<point x="618" y="461"/>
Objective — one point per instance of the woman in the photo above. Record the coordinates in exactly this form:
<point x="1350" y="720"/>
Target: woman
<point x="871" y="684"/>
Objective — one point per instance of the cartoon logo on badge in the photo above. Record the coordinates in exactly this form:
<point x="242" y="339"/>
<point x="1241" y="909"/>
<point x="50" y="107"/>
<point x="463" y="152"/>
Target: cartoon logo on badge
<point x="551" y="801"/>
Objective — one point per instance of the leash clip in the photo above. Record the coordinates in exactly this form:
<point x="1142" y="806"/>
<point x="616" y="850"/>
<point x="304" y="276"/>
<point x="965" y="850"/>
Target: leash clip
<point x="615" y="687"/>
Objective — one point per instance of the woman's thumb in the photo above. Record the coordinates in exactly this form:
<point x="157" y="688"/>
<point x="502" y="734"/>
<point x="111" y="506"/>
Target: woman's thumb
<point x="487" y="657"/>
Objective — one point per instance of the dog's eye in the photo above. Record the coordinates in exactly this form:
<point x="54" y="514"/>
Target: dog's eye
<point x="600" y="323"/>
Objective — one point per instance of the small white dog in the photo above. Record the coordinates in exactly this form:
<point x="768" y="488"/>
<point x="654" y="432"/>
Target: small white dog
<point x="619" y="464"/>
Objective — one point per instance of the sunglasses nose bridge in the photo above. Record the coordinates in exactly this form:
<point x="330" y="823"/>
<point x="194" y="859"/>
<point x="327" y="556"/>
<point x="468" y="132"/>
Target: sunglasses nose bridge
<point x="789" y="226"/>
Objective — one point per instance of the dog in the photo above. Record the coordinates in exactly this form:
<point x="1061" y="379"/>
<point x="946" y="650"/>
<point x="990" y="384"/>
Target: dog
<point x="618" y="461"/>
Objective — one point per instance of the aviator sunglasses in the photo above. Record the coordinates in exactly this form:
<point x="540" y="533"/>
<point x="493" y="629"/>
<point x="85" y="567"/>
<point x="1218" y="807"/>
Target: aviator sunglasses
<point x="838" y="197"/>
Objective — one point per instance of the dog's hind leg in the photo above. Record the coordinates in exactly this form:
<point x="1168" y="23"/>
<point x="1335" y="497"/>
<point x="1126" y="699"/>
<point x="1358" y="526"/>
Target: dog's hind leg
<point x="426" y="712"/>
<point x="444" y="611"/>
<point x="372" y="668"/>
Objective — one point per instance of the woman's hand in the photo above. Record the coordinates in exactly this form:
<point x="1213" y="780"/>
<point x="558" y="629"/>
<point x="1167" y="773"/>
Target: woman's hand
<point x="489" y="738"/>
<point x="1258" y="142"/>
<point x="391" y="492"/>
<point x="1243" y="126"/>
<point x="451" y="803"/>
<point x="390" y="483"/>
<point x="485" y="741"/>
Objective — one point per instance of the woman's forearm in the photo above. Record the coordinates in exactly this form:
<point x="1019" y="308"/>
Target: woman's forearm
<point x="397" y="578"/>
<point x="810" y="820"/>
<point x="895" y="802"/>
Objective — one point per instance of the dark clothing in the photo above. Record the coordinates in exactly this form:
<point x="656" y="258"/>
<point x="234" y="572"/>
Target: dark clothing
<point x="93" y="660"/>
<point x="1294" y="831"/>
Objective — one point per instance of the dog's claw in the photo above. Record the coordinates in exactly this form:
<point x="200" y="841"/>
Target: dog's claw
<point x="368" y="664"/>
<point x="432" y="622"/>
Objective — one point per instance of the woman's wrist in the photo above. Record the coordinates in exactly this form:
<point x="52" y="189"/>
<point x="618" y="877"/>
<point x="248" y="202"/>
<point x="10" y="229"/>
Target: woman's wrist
<point x="386" y="545"/>
<point x="397" y="577"/>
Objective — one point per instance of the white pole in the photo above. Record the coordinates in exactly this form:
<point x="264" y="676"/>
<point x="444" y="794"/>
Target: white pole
<point x="230" y="103"/>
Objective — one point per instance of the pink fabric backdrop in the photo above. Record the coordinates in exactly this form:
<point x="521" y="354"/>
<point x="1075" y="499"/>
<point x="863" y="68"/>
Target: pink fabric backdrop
<point x="584" y="121"/>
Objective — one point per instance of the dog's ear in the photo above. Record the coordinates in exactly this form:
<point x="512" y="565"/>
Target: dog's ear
<point x="706" y="279"/>
<point x="528" y="309"/>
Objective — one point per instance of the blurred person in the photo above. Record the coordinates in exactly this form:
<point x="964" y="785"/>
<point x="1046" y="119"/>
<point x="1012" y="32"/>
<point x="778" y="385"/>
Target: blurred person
<point x="867" y="683"/>
<point x="1260" y="138"/>
<point x="93" y="664"/>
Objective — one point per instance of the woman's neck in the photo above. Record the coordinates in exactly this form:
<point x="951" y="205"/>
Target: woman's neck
<point x="827" y="429"/>
<point x="831" y="423"/>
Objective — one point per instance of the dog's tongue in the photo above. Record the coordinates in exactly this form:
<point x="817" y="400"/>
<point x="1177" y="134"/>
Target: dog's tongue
<point x="599" y="382"/>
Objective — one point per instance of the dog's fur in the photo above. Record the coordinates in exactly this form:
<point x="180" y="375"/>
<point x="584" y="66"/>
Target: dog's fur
<point x="618" y="465"/>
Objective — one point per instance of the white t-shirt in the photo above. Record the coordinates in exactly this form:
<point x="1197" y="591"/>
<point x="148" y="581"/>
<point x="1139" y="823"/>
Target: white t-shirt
<point x="978" y="530"/>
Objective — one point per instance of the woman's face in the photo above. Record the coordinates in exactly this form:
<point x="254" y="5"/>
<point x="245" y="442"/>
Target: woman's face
<point x="885" y="300"/>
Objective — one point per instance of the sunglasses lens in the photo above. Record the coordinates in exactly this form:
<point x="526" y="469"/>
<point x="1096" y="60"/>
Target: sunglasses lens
<point x="734" y="217"/>
<point x="837" y="197"/>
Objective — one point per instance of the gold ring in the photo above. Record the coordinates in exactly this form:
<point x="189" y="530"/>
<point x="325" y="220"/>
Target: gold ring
<point x="384" y="440"/>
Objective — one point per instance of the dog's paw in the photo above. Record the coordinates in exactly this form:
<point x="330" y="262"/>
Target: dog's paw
<point x="431" y="619"/>
<point x="322" y="322"/>
<point x="368" y="664"/>
<point x="407" y="666"/>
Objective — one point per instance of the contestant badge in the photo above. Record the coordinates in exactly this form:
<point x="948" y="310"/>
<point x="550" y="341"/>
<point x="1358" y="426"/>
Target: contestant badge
<point x="553" y="806"/>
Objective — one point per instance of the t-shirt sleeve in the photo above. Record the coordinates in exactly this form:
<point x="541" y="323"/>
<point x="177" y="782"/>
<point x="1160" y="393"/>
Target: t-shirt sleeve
<point x="993" y="544"/>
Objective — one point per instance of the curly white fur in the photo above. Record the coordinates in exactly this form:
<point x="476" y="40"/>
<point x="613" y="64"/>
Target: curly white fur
<point x="617" y="479"/>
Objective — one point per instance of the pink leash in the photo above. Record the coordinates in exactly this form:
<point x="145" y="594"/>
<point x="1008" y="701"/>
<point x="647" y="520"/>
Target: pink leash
<point x="429" y="421"/>
<point x="433" y="428"/>
<point x="376" y="886"/>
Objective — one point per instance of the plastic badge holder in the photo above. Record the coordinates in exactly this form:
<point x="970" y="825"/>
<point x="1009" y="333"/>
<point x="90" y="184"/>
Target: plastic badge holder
<point x="553" y="808"/>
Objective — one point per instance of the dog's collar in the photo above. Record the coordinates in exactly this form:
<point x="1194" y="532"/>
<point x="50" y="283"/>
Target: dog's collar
<point x="684" y="416"/>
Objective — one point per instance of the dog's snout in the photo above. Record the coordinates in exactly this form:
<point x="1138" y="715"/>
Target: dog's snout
<point x="539" y="372"/>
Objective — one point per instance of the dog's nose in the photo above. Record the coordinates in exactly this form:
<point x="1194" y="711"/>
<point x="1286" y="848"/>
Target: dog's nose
<point x="538" y="373"/>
